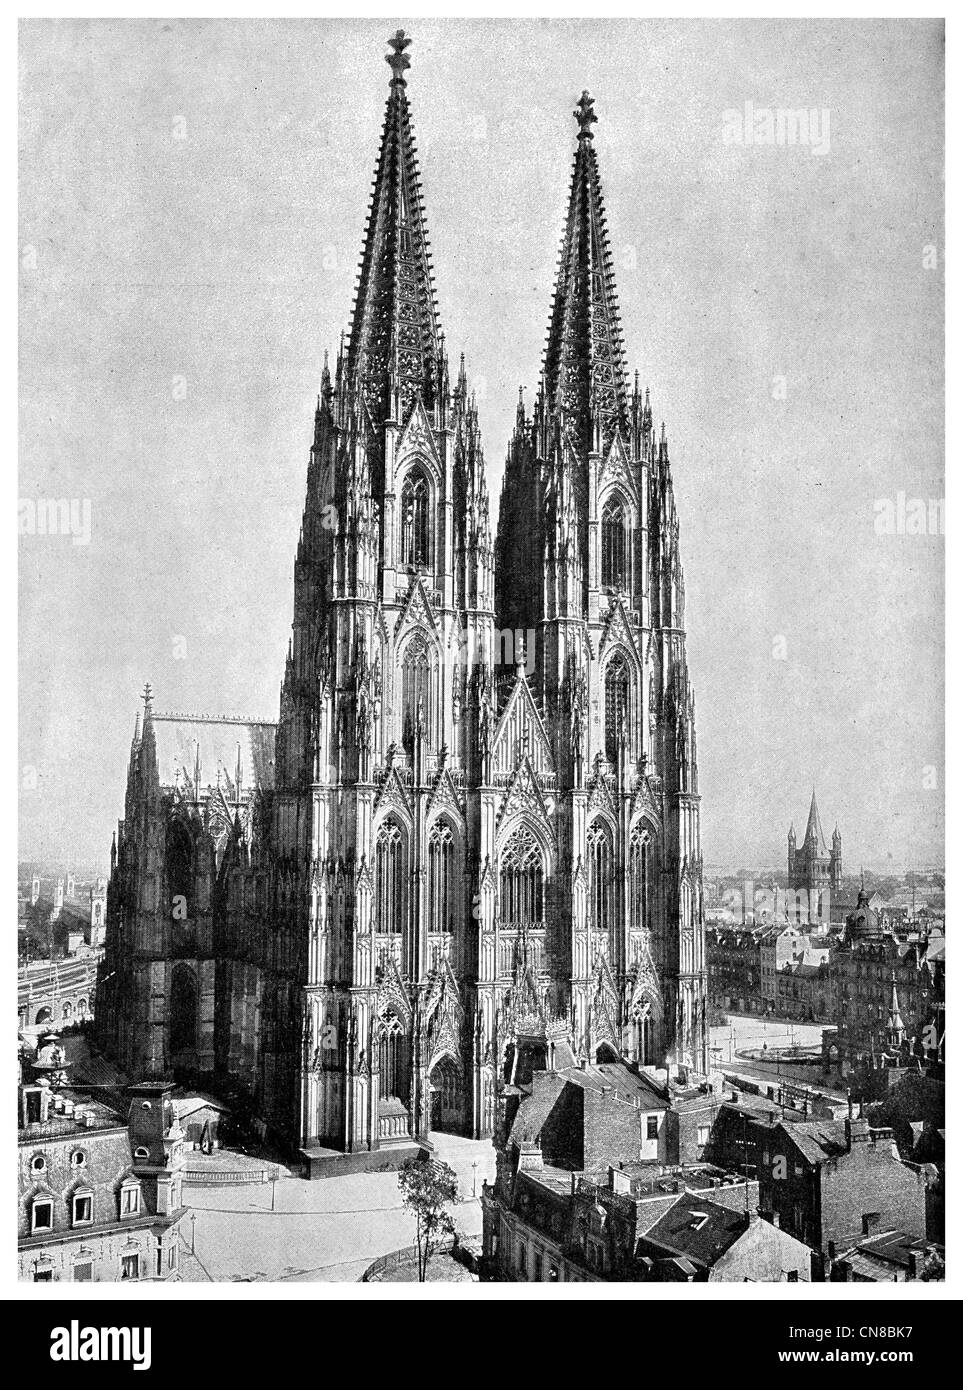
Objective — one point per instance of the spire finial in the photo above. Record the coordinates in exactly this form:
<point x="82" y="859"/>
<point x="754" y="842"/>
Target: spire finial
<point x="585" y="115"/>
<point x="398" y="60"/>
<point x="148" y="696"/>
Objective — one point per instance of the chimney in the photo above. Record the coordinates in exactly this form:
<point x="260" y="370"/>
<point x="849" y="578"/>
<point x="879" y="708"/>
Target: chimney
<point x="915" y="1264"/>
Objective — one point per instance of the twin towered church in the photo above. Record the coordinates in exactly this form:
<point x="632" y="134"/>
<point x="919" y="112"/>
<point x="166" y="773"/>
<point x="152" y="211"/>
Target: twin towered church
<point x="469" y="848"/>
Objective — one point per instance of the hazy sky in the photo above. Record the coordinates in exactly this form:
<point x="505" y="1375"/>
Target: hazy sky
<point x="192" y="201"/>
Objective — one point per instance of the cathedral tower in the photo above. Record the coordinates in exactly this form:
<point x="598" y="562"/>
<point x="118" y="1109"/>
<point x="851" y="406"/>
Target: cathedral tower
<point x="460" y="854"/>
<point x="389" y="666"/>
<point x="587" y="558"/>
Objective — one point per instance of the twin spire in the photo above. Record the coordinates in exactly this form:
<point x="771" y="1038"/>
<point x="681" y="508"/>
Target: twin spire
<point x="584" y="371"/>
<point x="395" y="337"/>
<point x="395" y="340"/>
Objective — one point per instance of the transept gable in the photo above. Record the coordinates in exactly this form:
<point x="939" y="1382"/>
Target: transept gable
<point x="645" y="987"/>
<point x="643" y="802"/>
<point x="600" y="795"/>
<point x="444" y="1015"/>
<point x="524" y="798"/>
<point x="604" y="1006"/>
<point x="392" y="793"/>
<point x="417" y="439"/>
<point x="520" y="734"/>
<point x="392" y="993"/>
<point x="523" y="1012"/>
<point x="616" y="471"/>
<point x="418" y="611"/>
<point x="617" y="632"/>
<point x="445" y="797"/>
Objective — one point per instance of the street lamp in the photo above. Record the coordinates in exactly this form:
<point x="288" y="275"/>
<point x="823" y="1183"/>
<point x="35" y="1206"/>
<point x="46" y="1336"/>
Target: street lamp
<point x="193" y="1229"/>
<point x="474" y="1177"/>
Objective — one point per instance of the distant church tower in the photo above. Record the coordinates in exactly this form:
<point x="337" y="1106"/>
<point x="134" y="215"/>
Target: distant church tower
<point x="813" y="868"/>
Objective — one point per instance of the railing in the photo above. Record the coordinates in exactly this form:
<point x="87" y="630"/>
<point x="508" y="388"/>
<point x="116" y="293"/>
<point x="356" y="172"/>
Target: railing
<point x="402" y="1259"/>
<point x="65" y="1124"/>
<point x="214" y="1177"/>
<point x="393" y="1126"/>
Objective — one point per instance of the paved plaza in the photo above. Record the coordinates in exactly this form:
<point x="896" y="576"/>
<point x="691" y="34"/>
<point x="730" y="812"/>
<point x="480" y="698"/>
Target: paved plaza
<point x="324" y="1231"/>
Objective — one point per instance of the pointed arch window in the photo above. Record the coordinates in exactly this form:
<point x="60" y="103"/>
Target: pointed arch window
<point x="638" y="907"/>
<point x="416" y="521"/>
<point x="415" y="694"/>
<point x="614" y="545"/>
<point x="616" y="706"/>
<point x="441" y="878"/>
<point x="390" y="867"/>
<point x="180" y="867"/>
<point x="183" y="1009"/>
<point x="520" y="881"/>
<point x="601" y="884"/>
<point x="393" y="1057"/>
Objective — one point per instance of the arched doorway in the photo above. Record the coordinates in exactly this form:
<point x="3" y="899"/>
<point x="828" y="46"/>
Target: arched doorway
<point x="445" y="1083"/>
<point x="43" y="1016"/>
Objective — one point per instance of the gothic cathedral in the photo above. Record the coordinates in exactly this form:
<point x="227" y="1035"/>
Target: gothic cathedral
<point x="470" y="847"/>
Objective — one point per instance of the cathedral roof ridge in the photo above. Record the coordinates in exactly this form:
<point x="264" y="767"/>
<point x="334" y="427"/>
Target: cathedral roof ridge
<point x="171" y="716"/>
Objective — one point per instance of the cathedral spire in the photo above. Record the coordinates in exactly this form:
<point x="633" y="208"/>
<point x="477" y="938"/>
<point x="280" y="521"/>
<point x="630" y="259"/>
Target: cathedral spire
<point x="584" y="363"/>
<point x="394" y="340"/>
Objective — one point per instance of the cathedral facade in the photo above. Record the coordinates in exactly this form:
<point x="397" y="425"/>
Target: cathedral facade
<point x="471" y="843"/>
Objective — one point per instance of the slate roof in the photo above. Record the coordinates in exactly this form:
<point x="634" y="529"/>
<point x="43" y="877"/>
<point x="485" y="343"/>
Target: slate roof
<point x="697" y="1229"/>
<point x="818" y="1140"/>
<point x="631" y="1086"/>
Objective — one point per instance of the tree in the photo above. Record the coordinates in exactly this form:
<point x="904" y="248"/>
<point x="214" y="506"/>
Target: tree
<point x="428" y="1188"/>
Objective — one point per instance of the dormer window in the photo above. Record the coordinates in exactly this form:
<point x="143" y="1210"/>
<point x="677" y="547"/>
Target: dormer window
<point x="82" y="1208"/>
<point x="141" y="1154"/>
<point x="130" y="1198"/>
<point x="41" y="1214"/>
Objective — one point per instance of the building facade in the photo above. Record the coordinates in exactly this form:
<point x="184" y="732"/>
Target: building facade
<point x="100" y="1195"/>
<point x="474" y="831"/>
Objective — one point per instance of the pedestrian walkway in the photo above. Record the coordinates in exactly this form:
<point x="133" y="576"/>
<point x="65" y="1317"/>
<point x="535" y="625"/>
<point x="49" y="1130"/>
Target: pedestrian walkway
<point x="326" y="1231"/>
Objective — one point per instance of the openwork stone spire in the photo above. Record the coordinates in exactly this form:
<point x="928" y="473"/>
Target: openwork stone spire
<point x="394" y="337"/>
<point x="584" y="363"/>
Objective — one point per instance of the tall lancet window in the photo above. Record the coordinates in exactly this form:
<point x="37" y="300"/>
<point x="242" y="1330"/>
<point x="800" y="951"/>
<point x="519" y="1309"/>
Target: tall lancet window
<point x="638" y="911"/>
<point x="415" y="693"/>
<point x="520" y="881"/>
<point x="416" y="522"/>
<point x="601" y="885"/>
<point x="392" y="1056"/>
<point x="616" y="706"/>
<point x="390" y="865"/>
<point x="441" y="878"/>
<point x="614" y="545"/>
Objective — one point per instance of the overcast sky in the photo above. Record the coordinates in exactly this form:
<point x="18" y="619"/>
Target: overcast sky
<point x="192" y="201"/>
